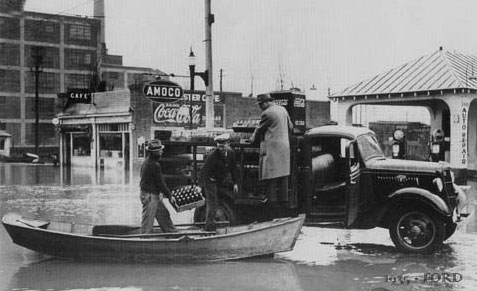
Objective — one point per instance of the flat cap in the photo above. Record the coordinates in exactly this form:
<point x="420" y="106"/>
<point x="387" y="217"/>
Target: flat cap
<point x="223" y="138"/>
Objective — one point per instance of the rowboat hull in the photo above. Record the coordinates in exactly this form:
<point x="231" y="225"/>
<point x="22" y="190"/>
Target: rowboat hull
<point x="230" y="243"/>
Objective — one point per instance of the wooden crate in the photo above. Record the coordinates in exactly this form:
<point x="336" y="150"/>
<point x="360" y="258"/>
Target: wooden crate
<point x="187" y="198"/>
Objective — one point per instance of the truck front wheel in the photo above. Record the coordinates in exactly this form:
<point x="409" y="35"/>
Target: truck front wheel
<point x="416" y="231"/>
<point x="223" y="212"/>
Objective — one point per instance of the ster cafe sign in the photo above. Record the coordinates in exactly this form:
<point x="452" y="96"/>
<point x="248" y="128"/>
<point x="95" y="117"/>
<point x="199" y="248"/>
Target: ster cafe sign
<point x="162" y="91"/>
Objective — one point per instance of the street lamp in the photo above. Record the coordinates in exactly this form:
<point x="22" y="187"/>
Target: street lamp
<point x="192" y="73"/>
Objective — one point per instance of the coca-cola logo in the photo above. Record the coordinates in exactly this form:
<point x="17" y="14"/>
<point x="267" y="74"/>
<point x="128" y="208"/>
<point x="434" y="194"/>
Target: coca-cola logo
<point x="176" y="113"/>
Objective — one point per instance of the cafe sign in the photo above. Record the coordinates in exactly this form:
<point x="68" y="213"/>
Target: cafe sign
<point x="79" y="96"/>
<point x="163" y="91"/>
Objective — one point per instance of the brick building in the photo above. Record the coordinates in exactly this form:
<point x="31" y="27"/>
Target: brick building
<point x="74" y="56"/>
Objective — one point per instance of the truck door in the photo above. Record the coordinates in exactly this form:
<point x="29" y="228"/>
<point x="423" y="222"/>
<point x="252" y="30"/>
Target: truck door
<point x="352" y="181"/>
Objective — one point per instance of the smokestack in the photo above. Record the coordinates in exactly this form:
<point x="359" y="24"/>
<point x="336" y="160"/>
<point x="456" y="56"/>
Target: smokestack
<point x="99" y="13"/>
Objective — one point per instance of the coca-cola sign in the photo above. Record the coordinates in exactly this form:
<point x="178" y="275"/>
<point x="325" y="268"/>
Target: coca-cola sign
<point x="178" y="114"/>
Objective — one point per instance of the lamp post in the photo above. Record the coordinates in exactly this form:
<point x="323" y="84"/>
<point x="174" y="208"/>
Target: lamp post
<point x="192" y="73"/>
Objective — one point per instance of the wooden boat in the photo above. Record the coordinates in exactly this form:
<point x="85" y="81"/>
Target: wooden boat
<point x="124" y="243"/>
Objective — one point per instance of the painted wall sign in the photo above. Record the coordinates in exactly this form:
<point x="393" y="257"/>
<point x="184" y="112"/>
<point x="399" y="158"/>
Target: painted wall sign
<point x="464" y="135"/>
<point x="178" y="114"/>
<point x="79" y="96"/>
<point x="163" y="91"/>
<point x="199" y="96"/>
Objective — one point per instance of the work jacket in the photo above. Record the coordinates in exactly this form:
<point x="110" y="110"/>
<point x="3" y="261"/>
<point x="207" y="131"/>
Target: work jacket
<point x="152" y="179"/>
<point x="217" y="167"/>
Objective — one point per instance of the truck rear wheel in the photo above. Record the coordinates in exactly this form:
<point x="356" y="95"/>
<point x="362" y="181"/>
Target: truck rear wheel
<point x="223" y="212"/>
<point x="416" y="231"/>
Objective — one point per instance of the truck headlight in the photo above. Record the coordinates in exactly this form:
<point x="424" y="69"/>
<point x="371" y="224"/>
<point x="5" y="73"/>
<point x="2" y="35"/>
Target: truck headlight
<point x="439" y="184"/>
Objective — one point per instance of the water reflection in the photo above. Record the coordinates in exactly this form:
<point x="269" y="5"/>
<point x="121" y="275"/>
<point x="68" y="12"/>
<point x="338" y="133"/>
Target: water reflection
<point x="41" y="174"/>
<point x="244" y="275"/>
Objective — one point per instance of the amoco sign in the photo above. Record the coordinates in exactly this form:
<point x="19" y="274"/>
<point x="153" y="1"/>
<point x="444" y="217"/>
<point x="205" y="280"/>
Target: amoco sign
<point x="163" y="91"/>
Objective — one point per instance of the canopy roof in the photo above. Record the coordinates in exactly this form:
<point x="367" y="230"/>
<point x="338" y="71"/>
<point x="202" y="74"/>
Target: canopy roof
<point x="441" y="70"/>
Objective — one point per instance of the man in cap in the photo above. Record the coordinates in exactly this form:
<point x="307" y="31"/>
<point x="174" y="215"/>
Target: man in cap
<point x="219" y="165"/>
<point x="153" y="189"/>
<point x="273" y="134"/>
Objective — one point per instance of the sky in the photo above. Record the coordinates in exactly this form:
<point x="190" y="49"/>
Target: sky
<point x="259" y="43"/>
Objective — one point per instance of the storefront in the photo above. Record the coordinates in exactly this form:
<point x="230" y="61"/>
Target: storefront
<point x="110" y="130"/>
<point x="96" y="135"/>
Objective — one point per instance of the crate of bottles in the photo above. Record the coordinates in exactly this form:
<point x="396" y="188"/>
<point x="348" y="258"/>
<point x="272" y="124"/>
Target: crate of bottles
<point x="187" y="197"/>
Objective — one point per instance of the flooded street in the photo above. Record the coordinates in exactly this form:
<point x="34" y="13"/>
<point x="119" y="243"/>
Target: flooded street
<point x="323" y="259"/>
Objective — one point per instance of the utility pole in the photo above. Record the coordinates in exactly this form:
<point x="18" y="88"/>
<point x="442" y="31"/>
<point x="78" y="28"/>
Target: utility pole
<point x="37" y="55"/>
<point x="209" y="92"/>
<point x="221" y="96"/>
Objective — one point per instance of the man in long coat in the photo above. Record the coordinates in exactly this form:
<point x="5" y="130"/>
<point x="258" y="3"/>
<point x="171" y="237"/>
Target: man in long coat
<point x="273" y="133"/>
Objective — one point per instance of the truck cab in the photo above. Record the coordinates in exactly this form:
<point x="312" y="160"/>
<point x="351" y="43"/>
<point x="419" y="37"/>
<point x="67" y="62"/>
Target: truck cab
<point x="352" y="183"/>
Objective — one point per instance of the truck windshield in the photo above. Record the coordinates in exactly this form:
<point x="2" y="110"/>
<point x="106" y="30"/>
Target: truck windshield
<point x="369" y="147"/>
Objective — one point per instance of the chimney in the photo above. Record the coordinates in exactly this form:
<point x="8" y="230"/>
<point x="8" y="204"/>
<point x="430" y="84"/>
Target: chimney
<point x="99" y="13"/>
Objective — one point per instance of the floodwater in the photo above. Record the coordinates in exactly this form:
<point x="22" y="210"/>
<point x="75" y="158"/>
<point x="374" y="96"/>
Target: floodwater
<point x="323" y="259"/>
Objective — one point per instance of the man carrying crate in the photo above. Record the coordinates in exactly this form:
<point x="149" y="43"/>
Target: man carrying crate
<point x="153" y="189"/>
<point x="218" y="165"/>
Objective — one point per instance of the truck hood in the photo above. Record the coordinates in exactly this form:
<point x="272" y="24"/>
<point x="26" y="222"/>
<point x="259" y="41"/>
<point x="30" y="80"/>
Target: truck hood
<point x="405" y="165"/>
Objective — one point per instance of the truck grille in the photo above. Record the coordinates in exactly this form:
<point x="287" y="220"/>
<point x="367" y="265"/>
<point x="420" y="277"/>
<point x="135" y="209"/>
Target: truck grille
<point x="449" y="189"/>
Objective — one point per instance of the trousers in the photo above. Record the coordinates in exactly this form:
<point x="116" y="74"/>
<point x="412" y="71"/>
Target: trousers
<point x="154" y="208"/>
<point x="276" y="189"/>
<point x="210" y="190"/>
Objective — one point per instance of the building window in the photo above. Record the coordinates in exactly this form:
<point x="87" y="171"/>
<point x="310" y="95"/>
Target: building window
<point x="78" y="81"/>
<point x="81" y="144"/>
<point x="2" y="143"/>
<point x="49" y="28"/>
<point x="110" y="145"/>
<point x="9" y="81"/>
<point x="9" y="28"/>
<point x="41" y="30"/>
<point x="3" y="126"/>
<point x="9" y="54"/>
<point x="51" y="57"/>
<point x="80" y="31"/>
<point x="79" y="59"/>
<point x="49" y="83"/>
<point x="46" y="108"/>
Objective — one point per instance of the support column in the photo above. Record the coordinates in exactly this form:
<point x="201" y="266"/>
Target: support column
<point x="344" y="113"/>
<point x="459" y="137"/>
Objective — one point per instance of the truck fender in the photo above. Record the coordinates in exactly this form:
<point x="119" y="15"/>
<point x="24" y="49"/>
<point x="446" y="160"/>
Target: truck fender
<point x="424" y="196"/>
